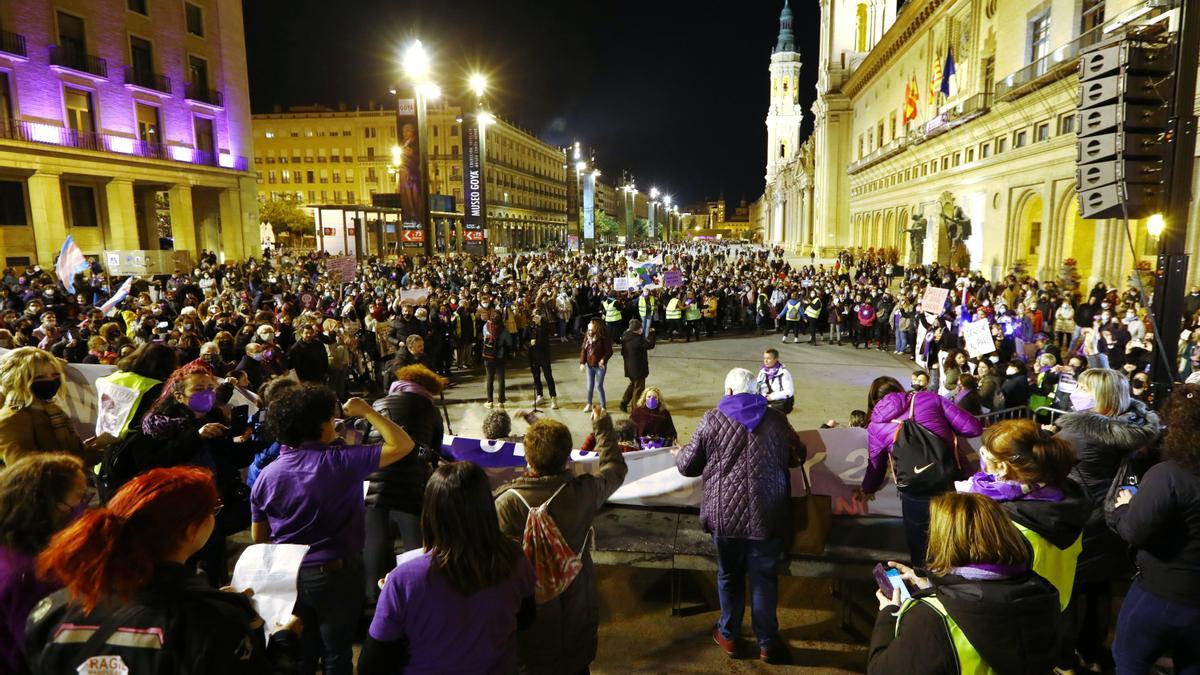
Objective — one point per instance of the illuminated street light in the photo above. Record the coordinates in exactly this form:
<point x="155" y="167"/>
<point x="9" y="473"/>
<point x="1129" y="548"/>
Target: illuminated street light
<point x="580" y="165"/>
<point x="478" y="84"/>
<point x="416" y="62"/>
<point x="1155" y="224"/>
<point x="667" y="200"/>
<point x="653" y="193"/>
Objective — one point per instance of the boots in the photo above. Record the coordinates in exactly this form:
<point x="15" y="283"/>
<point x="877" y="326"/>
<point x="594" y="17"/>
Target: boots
<point x="554" y="403"/>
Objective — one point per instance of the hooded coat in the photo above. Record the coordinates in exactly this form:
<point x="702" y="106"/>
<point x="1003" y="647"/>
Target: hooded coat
<point x="1010" y="623"/>
<point x="634" y="350"/>
<point x="1101" y="443"/>
<point x="744" y="449"/>
<point x="931" y="411"/>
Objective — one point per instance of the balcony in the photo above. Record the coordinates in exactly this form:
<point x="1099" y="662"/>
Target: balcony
<point x="48" y="134"/>
<point x="143" y="79"/>
<point x="75" y="59"/>
<point x="878" y="155"/>
<point x="1064" y="61"/>
<point x="12" y="43"/>
<point x="203" y="95"/>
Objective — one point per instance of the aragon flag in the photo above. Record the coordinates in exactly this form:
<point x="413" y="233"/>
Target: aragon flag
<point x="911" y="96"/>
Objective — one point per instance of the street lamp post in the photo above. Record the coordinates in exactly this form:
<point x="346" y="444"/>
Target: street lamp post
<point x="666" y="234"/>
<point x="416" y="67"/>
<point x="474" y="169"/>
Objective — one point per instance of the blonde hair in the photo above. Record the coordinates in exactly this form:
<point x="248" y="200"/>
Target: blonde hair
<point x="652" y="391"/>
<point x="968" y="529"/>
<point x="1108" y="387"/>
<point x="18" y="369"/>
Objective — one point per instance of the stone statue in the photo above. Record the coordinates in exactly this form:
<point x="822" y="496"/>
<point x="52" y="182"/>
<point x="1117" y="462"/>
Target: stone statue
<point x="958" y="227"/>
<point x="916" y="237"/>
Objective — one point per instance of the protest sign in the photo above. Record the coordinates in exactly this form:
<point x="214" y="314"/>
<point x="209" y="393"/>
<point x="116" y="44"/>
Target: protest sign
<point x="621" y="284"/>
<point x="978" y="336"/>
<point x="934" y="300"/>
<point x="271" y="570"/>
<point x="342" y="269"/>
<point x="78" y="394"/>
<point x="672" y="278"/>
<point x="414" y="297"/>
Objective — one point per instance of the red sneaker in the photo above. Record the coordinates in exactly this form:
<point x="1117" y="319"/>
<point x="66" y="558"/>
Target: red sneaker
<point x="730" y="646"/>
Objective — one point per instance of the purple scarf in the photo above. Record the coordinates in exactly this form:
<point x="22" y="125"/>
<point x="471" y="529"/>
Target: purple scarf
<point x="406" y="387"/>
<point x="988" y="571"/>
<point x="1007" y="490"/>
<point x="772" y="371"/>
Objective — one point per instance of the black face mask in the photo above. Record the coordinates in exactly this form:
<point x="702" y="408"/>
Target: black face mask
<point x="46" y="389"/>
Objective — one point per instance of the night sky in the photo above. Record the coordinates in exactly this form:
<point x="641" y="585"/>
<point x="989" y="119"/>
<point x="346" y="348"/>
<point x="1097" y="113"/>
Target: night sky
<point x="674" y="92"/>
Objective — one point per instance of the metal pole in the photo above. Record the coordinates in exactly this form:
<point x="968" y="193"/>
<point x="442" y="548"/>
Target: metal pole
<point x="423" y="145"/>
<point x="1173" y="261"/>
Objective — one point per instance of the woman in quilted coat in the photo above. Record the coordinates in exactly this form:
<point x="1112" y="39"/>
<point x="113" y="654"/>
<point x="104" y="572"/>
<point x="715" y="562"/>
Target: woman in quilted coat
<point x="744" y="449"/>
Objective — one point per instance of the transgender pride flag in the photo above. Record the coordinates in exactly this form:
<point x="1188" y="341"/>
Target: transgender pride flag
<point x="70" y="262"/>
<point x="117" y="297"/>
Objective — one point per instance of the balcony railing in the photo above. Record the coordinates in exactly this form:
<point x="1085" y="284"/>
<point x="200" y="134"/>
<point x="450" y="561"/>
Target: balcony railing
<point x="205" y="95"/>
<point x="974" y="106"/>
<point x="77" y="60"/>
<point x="879" y="154"/>
<point x="48" y="134"/>
<point x="1063" y="61"/>
<point x="147" y="80"/>
<point x="12" y="43"/>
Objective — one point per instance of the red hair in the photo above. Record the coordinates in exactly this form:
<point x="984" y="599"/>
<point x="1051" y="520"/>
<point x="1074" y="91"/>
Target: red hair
<point x="113" y="550"/>
<point x="175" y="383"/>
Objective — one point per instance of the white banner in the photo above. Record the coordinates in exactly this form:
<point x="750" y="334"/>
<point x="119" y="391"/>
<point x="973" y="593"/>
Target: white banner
<point x="978" y="336"/>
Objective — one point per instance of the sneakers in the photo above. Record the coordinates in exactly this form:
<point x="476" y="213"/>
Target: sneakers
<point x="488" y="405"/>
<point x="538" y="400"/>
<point x="727" y="645"/>
<point x="554" y="403"/>
<point x="500" y="405"/>
<point x="587" y="407"/>
<point x="784" y="340"/>
<point x="795" y="340"/>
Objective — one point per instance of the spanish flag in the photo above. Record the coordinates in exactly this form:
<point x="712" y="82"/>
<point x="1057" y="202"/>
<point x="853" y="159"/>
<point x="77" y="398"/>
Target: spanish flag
<point x="911" y="97"/>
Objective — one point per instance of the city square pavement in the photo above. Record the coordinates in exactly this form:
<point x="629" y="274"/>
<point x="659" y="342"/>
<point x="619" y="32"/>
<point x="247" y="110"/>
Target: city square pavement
<point x="637" y="632"/>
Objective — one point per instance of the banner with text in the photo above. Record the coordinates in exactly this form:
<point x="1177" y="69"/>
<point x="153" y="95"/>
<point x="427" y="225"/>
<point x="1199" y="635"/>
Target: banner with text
<point x="473" y="186"/>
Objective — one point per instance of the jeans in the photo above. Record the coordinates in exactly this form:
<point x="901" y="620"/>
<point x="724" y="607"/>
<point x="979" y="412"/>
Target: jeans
<point x="901" y="341"/>
<point x="329" y="605"/>
<point x="1149" y="627"/>
<point x="380" y="548"/>
<point x="495" y="370"/>
<point x="915" y="511"/>
<point x="646" y="322"/>
<point x="595" y="381"/>
<point x="738" y="559"/>
<point x="538" y="371"/>
<point x="835" y="332"/>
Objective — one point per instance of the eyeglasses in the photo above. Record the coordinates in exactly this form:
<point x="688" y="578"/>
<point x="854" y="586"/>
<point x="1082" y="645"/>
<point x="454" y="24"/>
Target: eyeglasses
<point x="217" y="509"/>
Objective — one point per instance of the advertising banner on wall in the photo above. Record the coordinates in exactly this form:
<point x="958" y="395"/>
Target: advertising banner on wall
<point x="589" y="209"/>
<point x="412" y="234"/>
<point x="408" y="176"/>
<point x="473" y="187"/>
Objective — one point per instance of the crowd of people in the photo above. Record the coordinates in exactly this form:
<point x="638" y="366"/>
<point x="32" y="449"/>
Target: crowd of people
<point x="105" y="540"/>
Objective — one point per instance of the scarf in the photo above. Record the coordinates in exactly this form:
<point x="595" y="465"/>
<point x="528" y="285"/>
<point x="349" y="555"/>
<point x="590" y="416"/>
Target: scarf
<point x="1008" y="490"/>
<point x="771" y="372"/>
<point x="406" y="387"/>
<point x="61" y="426"/>
<point x="988" y="571"/>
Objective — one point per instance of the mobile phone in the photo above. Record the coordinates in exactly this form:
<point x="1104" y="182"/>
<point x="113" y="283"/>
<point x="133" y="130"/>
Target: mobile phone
<point x="888" y="579"/>
<point x="239" y="419"/>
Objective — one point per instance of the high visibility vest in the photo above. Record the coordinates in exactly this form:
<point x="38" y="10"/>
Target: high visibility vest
<point x="969" y="660"/>
<point x="118" y="396"/>
<point x="692" y="313"/>
<point x="642" y="306"/>
<point x="673" y="310"/>
<point x="793" y="311"/>
<point x="612" y="313"/>
<point x="1054" y="564"/>
<point x="813" y="310"/>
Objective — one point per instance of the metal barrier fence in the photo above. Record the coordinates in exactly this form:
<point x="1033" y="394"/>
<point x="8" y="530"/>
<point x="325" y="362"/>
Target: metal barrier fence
<point x="1021" y="412"/>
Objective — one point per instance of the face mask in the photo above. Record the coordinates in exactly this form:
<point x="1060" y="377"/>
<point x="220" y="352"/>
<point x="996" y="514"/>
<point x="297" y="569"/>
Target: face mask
<point x="652" y="402"/>
<point x="256" y="357"/>
<point x="1082" y="400"/>
<point x="202" y="401"/>
<point x="46" y="389"/>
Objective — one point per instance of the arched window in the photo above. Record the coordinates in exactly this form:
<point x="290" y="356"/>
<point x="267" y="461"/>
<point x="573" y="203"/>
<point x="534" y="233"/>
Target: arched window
<point x="860" y="38"/>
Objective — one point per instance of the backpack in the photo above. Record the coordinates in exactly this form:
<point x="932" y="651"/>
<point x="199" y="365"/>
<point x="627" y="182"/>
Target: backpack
<point x="119" y="464"/>
<point x="922" y="464"/>
<point x="489" y="347"/>
<point x="554" y="561"/>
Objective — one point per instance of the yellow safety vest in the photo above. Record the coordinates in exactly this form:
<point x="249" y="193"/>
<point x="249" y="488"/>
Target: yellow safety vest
<point x="1054" y="564"/>
<point x="673" y="311"/>
<point x="969" y="660"/>
<point x="813" y="311"/>
<point x="642" y="306"/>
<point x="612" y="314"/>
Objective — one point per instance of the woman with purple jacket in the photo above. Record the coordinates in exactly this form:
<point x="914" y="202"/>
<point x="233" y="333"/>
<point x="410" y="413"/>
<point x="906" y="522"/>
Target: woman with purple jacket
<point x="938" y="415"/>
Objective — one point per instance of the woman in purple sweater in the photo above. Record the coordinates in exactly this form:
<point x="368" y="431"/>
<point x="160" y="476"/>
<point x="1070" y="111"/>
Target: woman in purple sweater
<point x="944" y="419"/>
<point x="39" y="495"/>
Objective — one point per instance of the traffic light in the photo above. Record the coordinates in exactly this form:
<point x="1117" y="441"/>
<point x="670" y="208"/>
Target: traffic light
<point x="1125" y="90"/>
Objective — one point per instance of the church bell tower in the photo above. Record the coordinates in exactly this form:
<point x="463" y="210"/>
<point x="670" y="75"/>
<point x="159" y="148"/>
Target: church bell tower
<point x="784" y="114"/>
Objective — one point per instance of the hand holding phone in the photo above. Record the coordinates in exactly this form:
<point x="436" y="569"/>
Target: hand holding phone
<point x="889" y="581"/>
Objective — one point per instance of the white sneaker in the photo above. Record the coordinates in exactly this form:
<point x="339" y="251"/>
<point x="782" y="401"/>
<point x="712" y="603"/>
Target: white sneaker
<point x="784" y="339"/>
<point x="488" y="405"/>
<point x="538" y="401"/>
<point x="500" y="406"/>
<point x="554" y="403"/>
<point x="795" y="340"/>
<point x="587" y="407"/>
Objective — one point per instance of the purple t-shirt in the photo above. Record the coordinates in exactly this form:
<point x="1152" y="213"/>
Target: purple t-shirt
<point x="313" y="495"/>
<point x="448" y="632"/>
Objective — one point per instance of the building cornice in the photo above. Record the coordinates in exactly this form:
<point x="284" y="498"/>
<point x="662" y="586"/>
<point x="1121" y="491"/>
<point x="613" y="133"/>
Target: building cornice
<point x="911" y="20"/>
